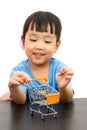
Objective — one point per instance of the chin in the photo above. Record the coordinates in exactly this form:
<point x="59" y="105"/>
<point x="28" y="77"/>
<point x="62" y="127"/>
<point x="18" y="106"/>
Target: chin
<point x="41" y="63"/>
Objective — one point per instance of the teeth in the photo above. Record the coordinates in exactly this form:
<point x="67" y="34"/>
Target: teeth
<point x="38" y="53"/>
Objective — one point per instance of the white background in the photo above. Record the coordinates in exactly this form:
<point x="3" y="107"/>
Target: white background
<point x="73" y="14"/>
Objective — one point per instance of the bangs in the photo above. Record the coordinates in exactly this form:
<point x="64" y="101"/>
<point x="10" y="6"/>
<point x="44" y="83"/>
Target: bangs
<point x="41" y="22"/>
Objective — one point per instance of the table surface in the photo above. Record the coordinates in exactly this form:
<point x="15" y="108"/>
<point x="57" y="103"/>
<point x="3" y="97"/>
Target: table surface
<point x="71" y="116"/>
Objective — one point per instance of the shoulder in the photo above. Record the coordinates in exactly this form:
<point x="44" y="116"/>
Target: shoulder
<point x="23" y="63"/>
<point x="21" y="66"/>
<point x="56" y="62"/>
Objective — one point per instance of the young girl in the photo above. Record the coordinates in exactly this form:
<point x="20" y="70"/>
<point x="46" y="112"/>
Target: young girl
<point x="40" y="40"/>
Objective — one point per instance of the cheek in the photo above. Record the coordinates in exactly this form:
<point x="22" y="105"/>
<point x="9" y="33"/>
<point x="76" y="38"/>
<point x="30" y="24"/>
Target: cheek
<point x="28" y="47"/>
<point x="28" y="50"/>
<point x="51" y="49"/>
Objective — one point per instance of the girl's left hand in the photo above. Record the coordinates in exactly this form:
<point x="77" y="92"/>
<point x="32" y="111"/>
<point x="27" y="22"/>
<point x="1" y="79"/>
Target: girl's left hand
<point x="64" y="76"/>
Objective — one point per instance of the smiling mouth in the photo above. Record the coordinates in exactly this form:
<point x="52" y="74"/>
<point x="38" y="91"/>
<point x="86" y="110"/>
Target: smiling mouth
<point x="38" y="55"/>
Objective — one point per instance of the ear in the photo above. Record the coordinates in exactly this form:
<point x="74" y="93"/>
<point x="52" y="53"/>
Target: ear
<point x="22" y="43"/>
<point x="57" y="46"/>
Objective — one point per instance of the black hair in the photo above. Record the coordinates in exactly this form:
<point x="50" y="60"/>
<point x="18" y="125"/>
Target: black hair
<point x="40" y="21"/>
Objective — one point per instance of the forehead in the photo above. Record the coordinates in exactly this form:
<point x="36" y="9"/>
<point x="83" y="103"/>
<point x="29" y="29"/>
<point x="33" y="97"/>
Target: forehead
<point x="36" y="34"/>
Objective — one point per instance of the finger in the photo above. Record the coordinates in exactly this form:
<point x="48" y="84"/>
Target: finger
<point x="19" y="73"/>
<point x="18" y="79"/>
<point x="68" y="77"/>
<point x="23" y="77"/>
<point x="13" y="83"/>
<point x="67" y="70"/>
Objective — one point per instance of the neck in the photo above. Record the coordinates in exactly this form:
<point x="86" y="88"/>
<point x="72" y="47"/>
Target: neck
<point x="38" y="67"/>
<point x="40" y="70"/>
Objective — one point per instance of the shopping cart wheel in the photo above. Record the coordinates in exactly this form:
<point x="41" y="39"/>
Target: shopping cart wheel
<point x="47" y="110"/>
<point x="43" y="118"/>
<point x="32" y="113"/>
<point x="55" y="116"/>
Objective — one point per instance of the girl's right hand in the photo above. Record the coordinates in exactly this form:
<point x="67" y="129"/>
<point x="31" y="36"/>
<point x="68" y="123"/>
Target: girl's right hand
<point x="19" y="78"/>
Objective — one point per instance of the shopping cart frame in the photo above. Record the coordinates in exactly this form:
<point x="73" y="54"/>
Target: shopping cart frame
<point x="43" y="96"/>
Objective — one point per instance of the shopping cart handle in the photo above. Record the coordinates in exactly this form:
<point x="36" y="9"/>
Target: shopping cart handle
<point x="43" y="78"/>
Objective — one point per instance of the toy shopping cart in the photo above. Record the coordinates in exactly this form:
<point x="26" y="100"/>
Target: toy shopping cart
<point x="43" y="96"/>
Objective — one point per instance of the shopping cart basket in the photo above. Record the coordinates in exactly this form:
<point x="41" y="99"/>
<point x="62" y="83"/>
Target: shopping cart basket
<point x="43" y="96"/>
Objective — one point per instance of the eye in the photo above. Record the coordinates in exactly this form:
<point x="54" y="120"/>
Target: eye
<point x="33" y="40"/>
<point x="47" y="41"/>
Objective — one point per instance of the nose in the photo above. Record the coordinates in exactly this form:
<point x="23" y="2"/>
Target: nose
<point x="39" y="45"/>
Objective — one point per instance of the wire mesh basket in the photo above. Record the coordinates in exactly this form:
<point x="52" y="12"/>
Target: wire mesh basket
<point x="44" y="95"/>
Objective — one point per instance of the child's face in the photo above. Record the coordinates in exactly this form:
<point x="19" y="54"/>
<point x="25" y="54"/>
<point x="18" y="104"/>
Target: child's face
<point x="40" y="46"/>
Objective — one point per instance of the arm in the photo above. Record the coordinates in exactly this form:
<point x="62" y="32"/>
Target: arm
<point x="66" y="94"/>
<point x="18" y="96"/>
<point x="5" y="97"/>
<point x="63" y="78"/>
